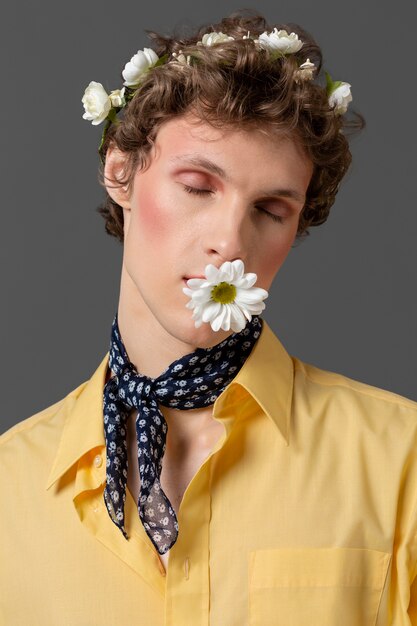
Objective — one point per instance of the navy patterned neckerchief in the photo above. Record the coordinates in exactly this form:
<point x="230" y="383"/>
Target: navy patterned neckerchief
<point x="191" y="382"/>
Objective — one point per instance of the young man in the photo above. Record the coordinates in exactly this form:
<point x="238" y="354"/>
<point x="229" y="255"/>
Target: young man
<point x="203" y="475"/>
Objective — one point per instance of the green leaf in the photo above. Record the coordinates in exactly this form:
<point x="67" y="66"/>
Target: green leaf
<point x="103" y="135"/>
<point x="161" y="60"/>
<point x="331" y="85"/>
<point x="111" y="115"/>
<point x="129" y="93"/>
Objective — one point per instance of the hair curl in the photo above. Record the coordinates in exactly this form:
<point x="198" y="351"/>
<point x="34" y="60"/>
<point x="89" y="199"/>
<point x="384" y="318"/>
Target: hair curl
<point x="236" y="85"/>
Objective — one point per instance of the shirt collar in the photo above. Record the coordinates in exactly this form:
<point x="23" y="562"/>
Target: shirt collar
<point x="267" y="376"/>
<point x="83" y="428"/>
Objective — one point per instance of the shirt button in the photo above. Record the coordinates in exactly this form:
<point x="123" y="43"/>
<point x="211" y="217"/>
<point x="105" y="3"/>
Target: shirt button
<point x="98" y="460"/>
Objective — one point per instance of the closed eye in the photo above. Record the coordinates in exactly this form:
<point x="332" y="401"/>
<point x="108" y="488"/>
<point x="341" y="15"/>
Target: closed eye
<point x="199" y="192"/>
<point x="204" y="192"/>
<point x="276" y="218"/>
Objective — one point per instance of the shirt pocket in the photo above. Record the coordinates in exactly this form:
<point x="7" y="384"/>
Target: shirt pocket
<point x="316" y="586"/>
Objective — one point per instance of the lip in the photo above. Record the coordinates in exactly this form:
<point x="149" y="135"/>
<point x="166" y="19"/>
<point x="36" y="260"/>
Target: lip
<point x="187" y="278"/>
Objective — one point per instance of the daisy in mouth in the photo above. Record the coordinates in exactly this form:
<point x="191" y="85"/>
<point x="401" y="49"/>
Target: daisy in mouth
<point x="226" y="297"/>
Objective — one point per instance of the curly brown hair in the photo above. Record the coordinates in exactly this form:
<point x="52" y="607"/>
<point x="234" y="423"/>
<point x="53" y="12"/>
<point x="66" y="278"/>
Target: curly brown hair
<point x="236" y="84"/>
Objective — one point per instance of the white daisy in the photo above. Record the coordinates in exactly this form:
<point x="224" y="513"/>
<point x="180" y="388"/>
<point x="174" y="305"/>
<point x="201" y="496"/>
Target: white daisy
<point x="225" y="298"/>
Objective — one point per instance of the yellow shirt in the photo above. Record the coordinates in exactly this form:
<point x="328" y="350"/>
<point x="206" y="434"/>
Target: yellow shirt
<point x="303" y="514"/>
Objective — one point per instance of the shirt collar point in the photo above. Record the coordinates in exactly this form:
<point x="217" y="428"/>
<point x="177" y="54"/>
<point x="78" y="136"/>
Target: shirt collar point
<point x="83" y="408"/>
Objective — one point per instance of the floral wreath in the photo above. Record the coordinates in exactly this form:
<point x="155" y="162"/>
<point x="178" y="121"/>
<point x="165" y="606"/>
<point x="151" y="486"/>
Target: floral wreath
<point x="100" y="106"/>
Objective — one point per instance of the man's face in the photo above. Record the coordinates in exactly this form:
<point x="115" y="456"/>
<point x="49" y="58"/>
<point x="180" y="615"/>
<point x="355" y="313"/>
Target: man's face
<point x="208" y="196"/>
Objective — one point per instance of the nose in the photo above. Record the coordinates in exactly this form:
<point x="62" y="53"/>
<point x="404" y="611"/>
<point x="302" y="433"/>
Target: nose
<point x="227" y="236"/>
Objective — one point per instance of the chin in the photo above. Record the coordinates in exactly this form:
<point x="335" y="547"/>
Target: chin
<point x="206" y="337"/>
<point x="203" y="337"/>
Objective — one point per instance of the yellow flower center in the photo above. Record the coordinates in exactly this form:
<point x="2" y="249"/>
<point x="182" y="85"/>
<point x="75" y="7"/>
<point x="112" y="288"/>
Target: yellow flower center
<point x="224" y="293"/>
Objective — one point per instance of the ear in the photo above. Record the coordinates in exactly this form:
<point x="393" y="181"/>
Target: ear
<point x="113" y="170"/>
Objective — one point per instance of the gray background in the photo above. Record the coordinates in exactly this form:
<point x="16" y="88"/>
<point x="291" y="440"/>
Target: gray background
<point x="345" y="300"/>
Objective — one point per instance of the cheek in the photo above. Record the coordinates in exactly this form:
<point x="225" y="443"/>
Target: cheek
<point x="156" y="232"/>
<point x="152" y="217"/>
<point x="273" y="262"/>
<point x="277" y="253"/>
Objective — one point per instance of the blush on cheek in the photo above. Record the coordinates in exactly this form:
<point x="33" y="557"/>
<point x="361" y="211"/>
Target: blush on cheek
<point x="153" y="219"/>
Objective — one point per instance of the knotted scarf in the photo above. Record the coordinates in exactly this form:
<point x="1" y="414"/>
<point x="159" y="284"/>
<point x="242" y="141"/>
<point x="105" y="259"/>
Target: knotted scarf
<point x="193" y="381"/>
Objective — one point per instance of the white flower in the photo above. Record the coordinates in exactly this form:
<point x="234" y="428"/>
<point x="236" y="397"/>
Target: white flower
<point x="340" y="97"/>
<point x="97" y="103"/>
<point x="210" y="38"/>
<point x="184" y="60"/>
<point x="305" y="71"/>
<point x="181" y="58"/>
<point x="226" y="297"/>
<point x="138" y="65"/>
<point x="281" y="41"/>
<point x="117" y="97"/>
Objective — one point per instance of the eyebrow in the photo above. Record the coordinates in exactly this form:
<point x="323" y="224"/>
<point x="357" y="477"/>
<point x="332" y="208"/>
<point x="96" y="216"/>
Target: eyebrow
<point x="200" y="161"/>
